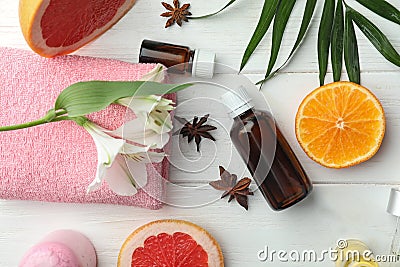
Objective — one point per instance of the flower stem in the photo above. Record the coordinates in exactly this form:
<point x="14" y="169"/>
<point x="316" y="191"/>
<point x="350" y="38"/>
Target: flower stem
<point x="23" y="125"/>
<point x="60" y="112"/>
<point x="50" y="116"/>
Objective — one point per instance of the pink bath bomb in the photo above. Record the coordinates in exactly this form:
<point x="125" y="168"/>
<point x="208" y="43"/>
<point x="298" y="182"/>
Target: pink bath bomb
<point x="63" y="248"/>
<point x="49" y="255"/>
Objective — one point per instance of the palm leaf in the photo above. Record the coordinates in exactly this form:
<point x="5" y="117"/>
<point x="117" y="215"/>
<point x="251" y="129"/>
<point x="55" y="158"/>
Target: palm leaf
<point x="383" y="9"/>
<point x="264" y="22"/>
<point x="336" y="32"/>
<point x="324" y="38"/>
<point x="376" y="37"/>
<point x="351" y="50"/>
<point x="283" y="12"/>
<point x="308" y="12"/>
<point x="337" y="42"/>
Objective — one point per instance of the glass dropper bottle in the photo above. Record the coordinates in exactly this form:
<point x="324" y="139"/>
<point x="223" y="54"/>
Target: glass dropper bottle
<point x="178" y="58"/>
<point x="394" y="209"/>
<point x="277" y="172"/>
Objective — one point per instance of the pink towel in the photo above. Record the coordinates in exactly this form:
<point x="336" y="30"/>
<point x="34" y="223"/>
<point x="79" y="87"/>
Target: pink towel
<point x="57" y="161"/>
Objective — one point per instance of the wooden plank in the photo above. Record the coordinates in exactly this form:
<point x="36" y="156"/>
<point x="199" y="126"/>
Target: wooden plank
<point x="332" y="212"/>
<point x="283" y="94"/>
<point x="226" y="34"/>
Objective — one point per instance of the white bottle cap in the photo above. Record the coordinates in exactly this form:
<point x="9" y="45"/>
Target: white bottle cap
<point x="237" y="101"/>
<point x="203" y="64"/>
<point x="393" y="206"/>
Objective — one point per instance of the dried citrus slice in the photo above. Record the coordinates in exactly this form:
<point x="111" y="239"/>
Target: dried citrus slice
<point x="170" y="243"/>
<point x="340" y="124"/>
<point x="58" y="27"/>
<point x="354" y="253"/>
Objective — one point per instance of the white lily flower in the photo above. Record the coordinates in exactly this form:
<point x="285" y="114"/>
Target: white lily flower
<point x="152" y="123"/>
<point x="107" y="149"/>
<point x="128" y="171"/>
<point x="153" y="110"/>
<point x="155" y="75"/>
<point x="136" y="132"/>
<point x="153" y="119"/>
<point x="121" y="164"/>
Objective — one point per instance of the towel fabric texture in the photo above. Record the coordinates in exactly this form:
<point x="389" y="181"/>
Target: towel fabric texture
<point x="56" y="162"/>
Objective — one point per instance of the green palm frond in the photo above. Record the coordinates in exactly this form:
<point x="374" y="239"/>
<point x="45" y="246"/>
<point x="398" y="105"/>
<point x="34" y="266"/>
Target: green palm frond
<point x="336" y="34"/>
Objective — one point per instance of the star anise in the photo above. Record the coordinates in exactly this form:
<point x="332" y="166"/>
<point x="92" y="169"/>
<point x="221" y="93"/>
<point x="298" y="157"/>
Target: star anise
<point x="236" y="190"/>
<point x="177" y="13"/>
<point x="196" y="130"/>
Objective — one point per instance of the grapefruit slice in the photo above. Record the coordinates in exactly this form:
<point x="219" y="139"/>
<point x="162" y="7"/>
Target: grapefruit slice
<point x="170" y="243"/>
<point x="58" y="27"/>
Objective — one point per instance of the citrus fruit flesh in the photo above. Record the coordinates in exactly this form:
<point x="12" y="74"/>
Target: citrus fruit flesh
<point x="58" y="27"/>
<point x="170" y="243"/>
<point x="340" y="124"/>
<point x="178" y="249"/>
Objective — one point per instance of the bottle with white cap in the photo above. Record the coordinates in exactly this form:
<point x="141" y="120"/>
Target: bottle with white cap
<point x="200" y="63"/>
<point x="277" y="172"/>
<point x="393" y="208"/>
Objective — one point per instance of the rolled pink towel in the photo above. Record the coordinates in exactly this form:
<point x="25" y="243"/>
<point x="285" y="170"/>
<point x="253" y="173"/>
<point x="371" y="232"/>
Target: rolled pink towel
<point x="56" y="162"/>
<point x="62" y="248"/>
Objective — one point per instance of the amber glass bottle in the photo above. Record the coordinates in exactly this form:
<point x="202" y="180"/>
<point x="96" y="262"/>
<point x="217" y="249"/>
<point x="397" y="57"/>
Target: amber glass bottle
<point x="277" y="172"/>
<point x="200" y="63"/>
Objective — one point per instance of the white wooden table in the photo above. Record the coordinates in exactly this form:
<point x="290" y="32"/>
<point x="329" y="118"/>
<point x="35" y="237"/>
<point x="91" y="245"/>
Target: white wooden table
<point x="348" y="203"/>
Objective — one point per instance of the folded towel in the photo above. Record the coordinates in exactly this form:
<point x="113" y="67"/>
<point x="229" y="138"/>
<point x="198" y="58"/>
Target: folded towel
<point x="56" y="162"/>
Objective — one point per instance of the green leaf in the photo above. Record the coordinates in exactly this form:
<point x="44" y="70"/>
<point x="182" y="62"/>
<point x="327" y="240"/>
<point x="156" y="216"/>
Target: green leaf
<point x="215" y="13"/>
<point x="283" y="12"/>
<point x="351" y="50"/>
<point x="264" y="22"/>
<point x="308" y="12"/>
<point x="324" y="38"/>
<point x="376" y="37"/>
<point x="86" y="97"/>
<point x="383" y="9"/>
<point x="337" y="42"/>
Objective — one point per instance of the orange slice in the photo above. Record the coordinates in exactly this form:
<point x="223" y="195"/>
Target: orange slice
<point x="170" y="243"/>
<point x="340" y="124"/>
<point x="58" y="27"/>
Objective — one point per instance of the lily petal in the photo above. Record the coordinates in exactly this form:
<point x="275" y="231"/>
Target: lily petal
<point x="135" y="131"/>
<point x="155" y="75"/>
<point x="145" y="156"/>
<point x="128" y="171"/>
<point x="96" y="183"/>
<point x="155" y="157"/>
<point x="159" y="121"/>
<point x="119" y="178"/>
<point x="107" y="149"/>
<point x="152" y="110"/>
<point x="138" y="169"/>
<point x="140" y="104"/>
<point x="166" y="104"/>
